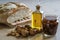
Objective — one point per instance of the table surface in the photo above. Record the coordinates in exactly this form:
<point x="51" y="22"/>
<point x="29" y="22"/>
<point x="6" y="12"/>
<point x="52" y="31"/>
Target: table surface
<point x="48" y="6"/>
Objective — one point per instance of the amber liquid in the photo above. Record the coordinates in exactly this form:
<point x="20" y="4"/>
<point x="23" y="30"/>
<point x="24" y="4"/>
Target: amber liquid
<point x="36" y="20"/>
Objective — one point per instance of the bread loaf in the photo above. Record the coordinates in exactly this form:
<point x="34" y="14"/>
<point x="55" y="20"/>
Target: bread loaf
<point x="11" y="12"/>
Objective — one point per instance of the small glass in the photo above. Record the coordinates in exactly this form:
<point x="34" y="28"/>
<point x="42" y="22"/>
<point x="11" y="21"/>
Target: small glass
<point x="50" y="24"/>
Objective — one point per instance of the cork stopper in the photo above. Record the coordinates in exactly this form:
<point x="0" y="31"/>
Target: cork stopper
<point x="38" y="7"/>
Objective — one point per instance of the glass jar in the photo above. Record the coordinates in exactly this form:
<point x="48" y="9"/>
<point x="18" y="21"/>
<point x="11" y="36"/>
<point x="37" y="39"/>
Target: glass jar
<point x="50" y="24"/>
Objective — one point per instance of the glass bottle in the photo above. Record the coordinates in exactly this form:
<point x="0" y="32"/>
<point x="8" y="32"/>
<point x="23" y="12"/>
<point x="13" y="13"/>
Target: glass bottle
<point x="37" y="18"/>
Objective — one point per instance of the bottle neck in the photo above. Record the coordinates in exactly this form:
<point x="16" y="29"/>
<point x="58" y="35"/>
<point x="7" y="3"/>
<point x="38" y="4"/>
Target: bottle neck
<point x="38" y="11"/>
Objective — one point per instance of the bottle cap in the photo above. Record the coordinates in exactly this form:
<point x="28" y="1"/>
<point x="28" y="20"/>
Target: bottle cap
<point x="37" y="7"/>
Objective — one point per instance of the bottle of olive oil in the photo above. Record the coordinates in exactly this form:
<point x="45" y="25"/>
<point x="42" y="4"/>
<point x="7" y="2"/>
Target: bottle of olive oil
<point x="37" y="18"/>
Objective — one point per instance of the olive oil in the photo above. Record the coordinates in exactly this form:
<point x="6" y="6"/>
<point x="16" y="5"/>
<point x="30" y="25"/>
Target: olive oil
<point x="37" y="18"/>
